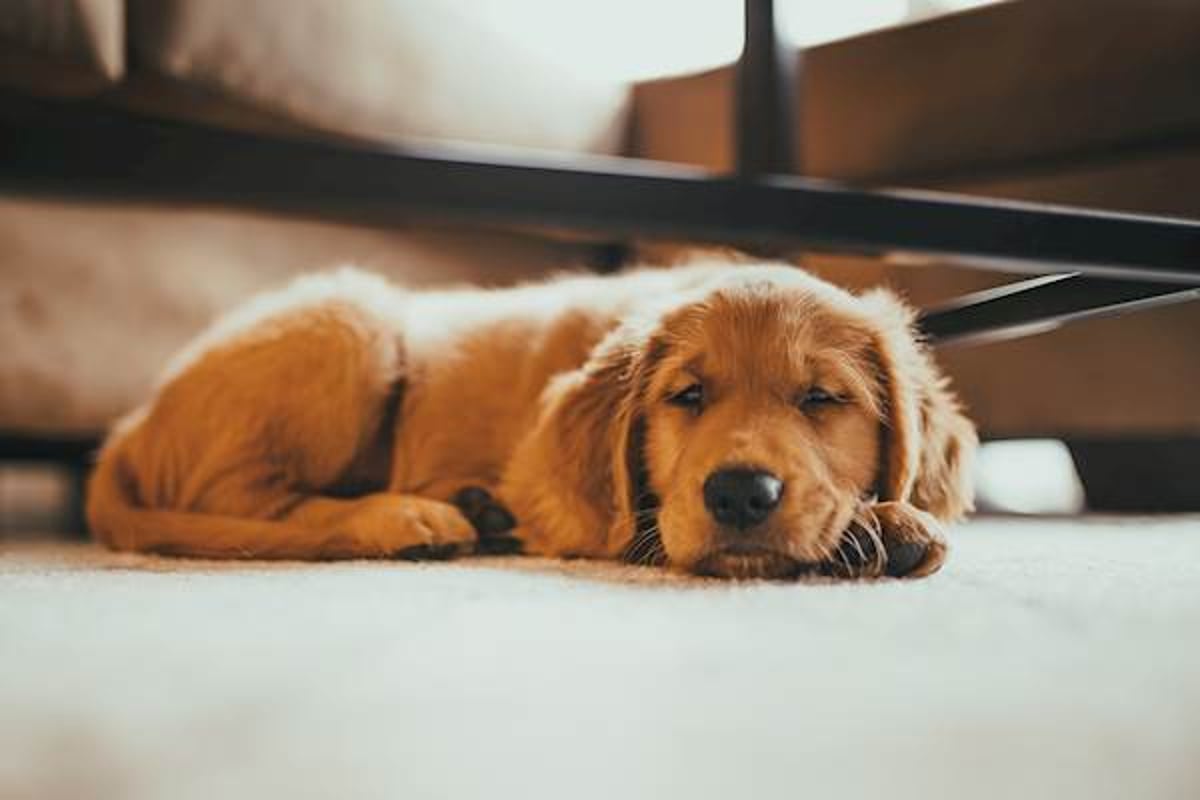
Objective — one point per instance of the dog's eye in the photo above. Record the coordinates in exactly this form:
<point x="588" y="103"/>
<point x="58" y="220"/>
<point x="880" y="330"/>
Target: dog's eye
<point x="816" y="397"/>
<point x="692" y="397"/>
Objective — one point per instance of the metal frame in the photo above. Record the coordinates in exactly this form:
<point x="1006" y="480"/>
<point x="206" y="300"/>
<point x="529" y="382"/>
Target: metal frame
<point x="1099" y="263"/>
<point x="85" y="150"/>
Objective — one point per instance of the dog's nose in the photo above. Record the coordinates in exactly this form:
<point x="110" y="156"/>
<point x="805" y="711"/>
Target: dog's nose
<point x="741" y="498"/>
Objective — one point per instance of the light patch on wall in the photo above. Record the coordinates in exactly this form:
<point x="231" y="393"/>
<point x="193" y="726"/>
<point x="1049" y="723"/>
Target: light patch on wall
<point x="1028" y="476"/>
<point x="803" y="22"/>
<point x="962" y="5"/>
<point x="632" y="40"/>
<point x="622" y="40"/>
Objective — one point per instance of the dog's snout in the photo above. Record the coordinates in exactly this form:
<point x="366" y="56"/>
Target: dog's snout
<point x="741" y="498"/>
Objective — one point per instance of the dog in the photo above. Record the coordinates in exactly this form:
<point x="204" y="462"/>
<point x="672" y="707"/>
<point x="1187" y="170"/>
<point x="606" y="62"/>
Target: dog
<point x="742" y="421"/>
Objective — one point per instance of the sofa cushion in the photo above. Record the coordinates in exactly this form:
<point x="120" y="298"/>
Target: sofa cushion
<point x="376" y="69"/>
<point x="95" y="298"/>
<point x="62" y="46"/>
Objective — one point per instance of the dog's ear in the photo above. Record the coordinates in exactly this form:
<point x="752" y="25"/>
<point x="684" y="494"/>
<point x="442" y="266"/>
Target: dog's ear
<point x="928" y="443"/>
<point x="611" y="403"/>
<point x="584" y="455"/>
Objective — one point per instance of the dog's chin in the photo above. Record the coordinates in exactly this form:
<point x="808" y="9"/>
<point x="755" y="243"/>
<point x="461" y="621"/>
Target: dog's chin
<point x="751" y="564"/>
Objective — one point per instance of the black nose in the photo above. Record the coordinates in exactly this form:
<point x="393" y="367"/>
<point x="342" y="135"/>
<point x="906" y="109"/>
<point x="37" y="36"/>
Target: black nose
<point x="741" y="498"/>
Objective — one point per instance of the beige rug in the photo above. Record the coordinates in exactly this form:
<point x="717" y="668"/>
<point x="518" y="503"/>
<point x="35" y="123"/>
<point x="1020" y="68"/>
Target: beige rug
<point x="1052" y="658"/>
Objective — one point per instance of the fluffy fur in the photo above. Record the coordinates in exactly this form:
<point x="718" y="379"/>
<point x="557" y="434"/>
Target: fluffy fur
<point x="339" y="418"/>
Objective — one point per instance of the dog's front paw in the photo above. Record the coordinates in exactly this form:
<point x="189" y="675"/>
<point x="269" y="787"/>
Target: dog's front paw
<point x="912" y="538"/>
<point x="859" y="553"/>
<point x="890" y="539"/>
<point x="404" y="526"/>
<point x="492" y="521"/>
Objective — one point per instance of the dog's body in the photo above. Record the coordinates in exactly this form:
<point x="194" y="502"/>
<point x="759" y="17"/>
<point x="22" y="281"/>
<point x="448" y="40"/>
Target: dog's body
<point x="344" y="417"/>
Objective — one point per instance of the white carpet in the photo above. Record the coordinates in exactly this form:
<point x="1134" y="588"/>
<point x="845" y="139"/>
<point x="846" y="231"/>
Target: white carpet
<point x="1049" y="659"/>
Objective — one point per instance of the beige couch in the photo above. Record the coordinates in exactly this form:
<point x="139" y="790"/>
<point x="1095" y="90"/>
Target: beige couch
<point x="94" y="296"/>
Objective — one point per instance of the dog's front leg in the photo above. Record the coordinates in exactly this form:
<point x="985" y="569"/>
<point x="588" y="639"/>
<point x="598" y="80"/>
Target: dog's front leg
<point x="913" y="539"/>
<point x="380" y="525"/>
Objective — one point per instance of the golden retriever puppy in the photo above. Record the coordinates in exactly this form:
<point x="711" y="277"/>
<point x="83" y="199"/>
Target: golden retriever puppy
<point x="739" y="421"/>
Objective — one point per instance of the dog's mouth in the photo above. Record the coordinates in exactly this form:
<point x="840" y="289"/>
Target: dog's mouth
<point x="752" y="563"/>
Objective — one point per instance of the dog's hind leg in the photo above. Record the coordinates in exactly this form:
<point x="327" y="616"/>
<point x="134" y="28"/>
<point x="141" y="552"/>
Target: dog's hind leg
<point x="245" y="452"/>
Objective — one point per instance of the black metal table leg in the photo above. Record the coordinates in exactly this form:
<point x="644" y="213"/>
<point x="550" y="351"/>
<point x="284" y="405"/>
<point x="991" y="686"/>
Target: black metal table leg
<point x="765" y="97"/>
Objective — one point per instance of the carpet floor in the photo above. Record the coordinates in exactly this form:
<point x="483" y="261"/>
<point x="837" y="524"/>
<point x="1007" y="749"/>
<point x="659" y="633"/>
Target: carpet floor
<point x="1050" y="658"/>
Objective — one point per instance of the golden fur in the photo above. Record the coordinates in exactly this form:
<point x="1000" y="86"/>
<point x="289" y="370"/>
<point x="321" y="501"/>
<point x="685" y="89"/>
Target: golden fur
<point x="339" y="417"/>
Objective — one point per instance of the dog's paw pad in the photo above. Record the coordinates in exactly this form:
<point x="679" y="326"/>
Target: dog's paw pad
<point x="471" y="499"/>
<point x="904" y="557"/>
<point x="491" y="521"/>
<point x="429" y="552"/>
<point x="499" y="546"/>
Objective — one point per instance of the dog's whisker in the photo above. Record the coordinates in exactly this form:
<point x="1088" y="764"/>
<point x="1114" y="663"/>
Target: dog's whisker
<point x="646" y="547"/>
<point x="853" y="540"/>
<point x="844" y="560"/>
<point x="640" y="547"/>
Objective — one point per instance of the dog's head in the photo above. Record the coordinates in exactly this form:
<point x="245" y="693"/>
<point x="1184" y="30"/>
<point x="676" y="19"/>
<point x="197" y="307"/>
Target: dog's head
<point x="738" y="431"/>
